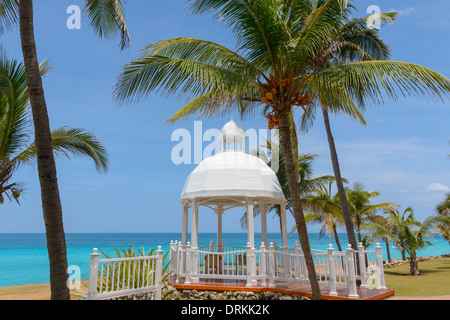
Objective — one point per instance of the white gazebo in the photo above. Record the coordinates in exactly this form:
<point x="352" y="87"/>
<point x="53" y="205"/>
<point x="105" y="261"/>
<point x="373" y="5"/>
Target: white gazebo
<point x="232" y="178"/>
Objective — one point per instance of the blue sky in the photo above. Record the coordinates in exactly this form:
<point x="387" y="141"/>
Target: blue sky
<point x="401" y="152"/>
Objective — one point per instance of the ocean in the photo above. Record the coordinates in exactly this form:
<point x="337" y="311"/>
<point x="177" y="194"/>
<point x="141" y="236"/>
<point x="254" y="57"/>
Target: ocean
<point x="24" y="258"/>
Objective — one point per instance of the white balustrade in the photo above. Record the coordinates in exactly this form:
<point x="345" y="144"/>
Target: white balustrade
<point x="271" y="263"/>
<point x="119" y="277"/>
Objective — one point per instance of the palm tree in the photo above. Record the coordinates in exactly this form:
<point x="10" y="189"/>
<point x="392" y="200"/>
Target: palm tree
<point x="443" y="211"/>
<point x="396" y="222"/>
<point x="324" y="208"/>
<point x="361" y="208"/>
<point x="107" y="19"/>
<point x="383" y="221"/>
<point x="355" y="42"/>
<point x="280" y="45"/>
<point x="418" y="239"/>
<point x="15" y="124"/>
<point x="408" y="233"/>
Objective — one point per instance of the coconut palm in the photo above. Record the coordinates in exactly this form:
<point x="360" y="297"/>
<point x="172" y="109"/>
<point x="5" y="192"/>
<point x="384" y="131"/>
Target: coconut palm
<point x="107" y="19"/>
<point x="280" y="49"/>
<point x="354" y="42"/>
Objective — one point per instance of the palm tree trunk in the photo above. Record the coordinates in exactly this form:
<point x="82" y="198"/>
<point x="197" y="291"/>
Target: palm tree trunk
<point x="296" y="203"/>
<point x="340" y="185"/>
<point x="358" y="227"/>
<point x="51" y="204"/>
<point x="388" y="250"/>
<point x="336" y="238"/>
<point x="413" y="265"/>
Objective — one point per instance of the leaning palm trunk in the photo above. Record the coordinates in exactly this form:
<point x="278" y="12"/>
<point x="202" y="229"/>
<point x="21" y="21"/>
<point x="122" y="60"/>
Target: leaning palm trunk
<point x="296" y="203"/>
<point x="336" y="238"/>
<point x="340" y="185"/>
<point x="51" y="203"/>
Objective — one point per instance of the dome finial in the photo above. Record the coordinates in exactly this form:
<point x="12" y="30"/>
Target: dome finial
<point x="233" y="133"/>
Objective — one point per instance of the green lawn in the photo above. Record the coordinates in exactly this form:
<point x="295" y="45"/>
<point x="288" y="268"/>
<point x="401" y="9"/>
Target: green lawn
<point x="433" y="281"/>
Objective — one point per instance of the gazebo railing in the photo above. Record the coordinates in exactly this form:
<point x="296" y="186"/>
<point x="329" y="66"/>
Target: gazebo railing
<point x="267" y="265"/>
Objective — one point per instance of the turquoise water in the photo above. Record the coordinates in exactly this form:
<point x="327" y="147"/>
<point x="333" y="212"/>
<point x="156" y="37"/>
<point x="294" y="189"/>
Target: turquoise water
<point x="24" y="259"/>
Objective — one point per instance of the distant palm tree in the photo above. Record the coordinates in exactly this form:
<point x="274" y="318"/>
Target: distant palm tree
<point x="324" y="208"/>
<point x="383" y="221"/>
<point x="107" y="19"/>
<point x="408" y="233"/>
<point x="361" y="208"/>
<point x="418" y="239"/>
<point x="443" y="211"/>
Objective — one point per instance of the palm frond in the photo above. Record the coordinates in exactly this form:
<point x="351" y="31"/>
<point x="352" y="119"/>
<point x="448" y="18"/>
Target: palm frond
<point x="368" y="81"/>
<point x="108" y="19"/>
<point x="9" y="14"/>
<point x="71" y="141"/>
<point x="14" y="114"/>
<point x="189" y="67"/>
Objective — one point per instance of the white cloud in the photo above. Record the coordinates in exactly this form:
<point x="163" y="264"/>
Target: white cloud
<point x="404" y="12"/>
<point x="437" y="187"/>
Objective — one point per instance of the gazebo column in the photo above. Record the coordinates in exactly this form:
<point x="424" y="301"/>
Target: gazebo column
<point x="284" y="237"/>
<point x="219" y="212"/>
<point x="184" y="230"/>
<point x="251" y="258"/>
<point x="263" y="209"/>
<point x="194" y="239"/>
<point x="194" y="224"/>
<point x="250" y="223"/>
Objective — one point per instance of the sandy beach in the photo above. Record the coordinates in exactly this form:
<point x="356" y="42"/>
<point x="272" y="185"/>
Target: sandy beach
<point x="36" y="292"/>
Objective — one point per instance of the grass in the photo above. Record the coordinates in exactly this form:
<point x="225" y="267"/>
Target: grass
<point x="434" y="279"/>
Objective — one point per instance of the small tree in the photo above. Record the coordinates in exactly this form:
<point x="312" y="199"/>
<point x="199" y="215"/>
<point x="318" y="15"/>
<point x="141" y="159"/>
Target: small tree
<point x="407" y="233"/>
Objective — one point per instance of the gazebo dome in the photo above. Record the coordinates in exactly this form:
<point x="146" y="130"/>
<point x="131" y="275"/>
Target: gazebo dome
<point x="232" y="174"/>
<point x="232" y="178"/>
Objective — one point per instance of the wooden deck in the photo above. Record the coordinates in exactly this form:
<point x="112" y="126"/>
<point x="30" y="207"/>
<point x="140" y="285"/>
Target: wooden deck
<point x="282" y="287"/>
